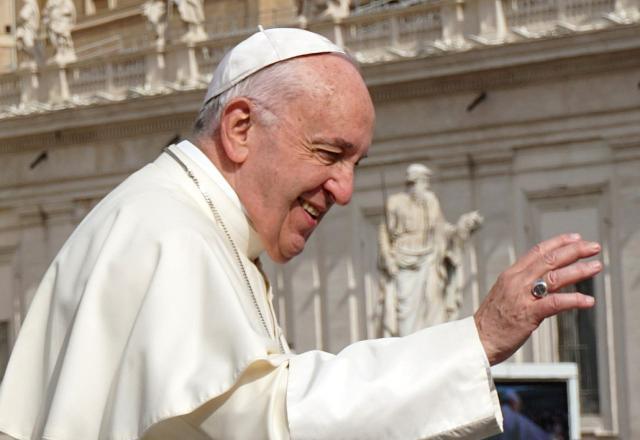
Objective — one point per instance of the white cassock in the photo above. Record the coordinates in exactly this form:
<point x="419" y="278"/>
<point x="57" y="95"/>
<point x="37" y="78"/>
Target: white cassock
<point x="143" y="327"/>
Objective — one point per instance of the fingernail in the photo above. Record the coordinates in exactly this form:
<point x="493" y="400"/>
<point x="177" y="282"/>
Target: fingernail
<point x="590" y="300"/>
<point x="594" y="246"/>
<point x="574" y="236"/>
<point x="595" y="265"/>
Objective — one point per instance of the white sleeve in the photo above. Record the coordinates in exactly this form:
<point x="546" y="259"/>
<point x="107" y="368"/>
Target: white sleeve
<point x="435" y="383"/>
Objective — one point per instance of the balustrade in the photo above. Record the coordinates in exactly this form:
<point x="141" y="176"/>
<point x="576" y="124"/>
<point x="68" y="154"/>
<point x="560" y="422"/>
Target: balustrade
<point x="10" y="89"/>
<point x="136" y="63"/>
<point x="88" y="80"/>
<point x="129" y="73"/>
<point x="535" y="17"/>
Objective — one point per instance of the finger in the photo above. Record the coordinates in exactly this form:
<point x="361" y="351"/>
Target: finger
<point x="557" y="279"/>
<point x="543" y="248"/>
<point x="561" y="302"/>
<point x="561" y="257"/>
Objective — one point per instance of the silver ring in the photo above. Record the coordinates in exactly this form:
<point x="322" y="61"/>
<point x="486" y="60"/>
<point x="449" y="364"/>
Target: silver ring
<point x="540" y="288"/>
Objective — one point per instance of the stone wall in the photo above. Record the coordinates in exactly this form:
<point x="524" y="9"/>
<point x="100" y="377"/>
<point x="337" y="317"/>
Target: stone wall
<point x="540" y="135"/>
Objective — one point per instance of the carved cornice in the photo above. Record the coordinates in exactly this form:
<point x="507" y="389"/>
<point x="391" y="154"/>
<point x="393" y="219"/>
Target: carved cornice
<point x="486" y="80"/>
<point x="625" y="148"/>
<point x="97" y="133"/>
<point x="476" y="165"/>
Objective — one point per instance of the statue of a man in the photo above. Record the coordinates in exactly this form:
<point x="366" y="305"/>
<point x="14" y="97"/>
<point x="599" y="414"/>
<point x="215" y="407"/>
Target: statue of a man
<point x="419" y="256"/>
<point x="320" y="9"/>
<point x="192" y="14"/>
<point x="27" y="30"/>
<point x="156" y="13"/>
<point x="59" y="18"/>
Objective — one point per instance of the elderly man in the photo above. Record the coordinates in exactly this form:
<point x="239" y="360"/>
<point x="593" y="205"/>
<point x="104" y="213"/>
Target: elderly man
<point x="155" y="320"/>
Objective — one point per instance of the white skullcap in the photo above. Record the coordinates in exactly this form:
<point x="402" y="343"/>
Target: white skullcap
<point x="262" y="49"/>
<point x="416" y="171"/>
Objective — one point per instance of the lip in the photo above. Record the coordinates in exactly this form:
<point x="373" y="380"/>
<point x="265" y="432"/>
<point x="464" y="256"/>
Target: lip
<point x="311" y="221"/>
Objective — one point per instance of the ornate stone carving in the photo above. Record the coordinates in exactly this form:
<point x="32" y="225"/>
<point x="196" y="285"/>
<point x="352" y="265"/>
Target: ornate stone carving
<point x="420" y="253"/>
<point x="59" y="19"/>
<point x="192" y="14"/>
<point x="156" y="13"/>
<point x="314" y="9"/>
<point x="27" y="32"/>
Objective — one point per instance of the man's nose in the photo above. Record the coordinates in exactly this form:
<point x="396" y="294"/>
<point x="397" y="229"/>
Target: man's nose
<point x="340" y="185"/>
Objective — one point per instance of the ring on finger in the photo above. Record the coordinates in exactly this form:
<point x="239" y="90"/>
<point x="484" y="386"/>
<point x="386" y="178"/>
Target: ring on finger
<point x="539" y="288"/>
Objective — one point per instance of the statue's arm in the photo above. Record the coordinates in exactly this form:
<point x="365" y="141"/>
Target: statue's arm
<point x="387" y="260"/>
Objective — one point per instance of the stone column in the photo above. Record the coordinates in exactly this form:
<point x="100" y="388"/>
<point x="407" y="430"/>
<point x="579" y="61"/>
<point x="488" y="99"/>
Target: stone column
<point x="453" y="24"/>
<point x="493" y="25"/>
<point x="337" y="33"/>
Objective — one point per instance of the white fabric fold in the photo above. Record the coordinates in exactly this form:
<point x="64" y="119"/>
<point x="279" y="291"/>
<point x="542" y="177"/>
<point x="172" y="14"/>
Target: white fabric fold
<point x="107" y="351"/>
<point x="177" y="345"/>
<point x="435" y="383"/>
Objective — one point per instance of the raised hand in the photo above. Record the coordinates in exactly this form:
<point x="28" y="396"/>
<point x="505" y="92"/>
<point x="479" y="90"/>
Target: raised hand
<point x="510" y="312"/>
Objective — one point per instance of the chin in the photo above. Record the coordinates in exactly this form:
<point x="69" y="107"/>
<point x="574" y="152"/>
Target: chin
<point x="283" y="254"/>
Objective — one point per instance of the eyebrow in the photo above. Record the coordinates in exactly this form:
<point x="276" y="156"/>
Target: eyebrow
<point x="336" y="142"/>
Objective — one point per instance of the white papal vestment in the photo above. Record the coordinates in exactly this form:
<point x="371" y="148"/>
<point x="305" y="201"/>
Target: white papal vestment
<point x="143" y="326"/>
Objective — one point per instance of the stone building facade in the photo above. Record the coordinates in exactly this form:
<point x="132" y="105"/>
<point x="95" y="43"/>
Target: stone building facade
<point x="528" y="111"/>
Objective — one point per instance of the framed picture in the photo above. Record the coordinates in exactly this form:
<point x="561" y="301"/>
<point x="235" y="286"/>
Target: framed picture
<point x="538" y="401"/>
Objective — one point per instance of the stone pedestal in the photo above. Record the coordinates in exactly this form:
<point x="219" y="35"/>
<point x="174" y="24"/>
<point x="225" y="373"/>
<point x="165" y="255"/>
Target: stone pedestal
<point x="155" y="75"/>
<point x="453" y="25"/>
<point x="29" y="84"/>
<point x="62" y="94"/>
<point x="188" y="73"/>
<point x="492" y="22"/>
<point x="626" y="12"/>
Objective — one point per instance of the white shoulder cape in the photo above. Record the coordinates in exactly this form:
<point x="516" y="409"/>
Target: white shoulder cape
<point x="143" y="315"/>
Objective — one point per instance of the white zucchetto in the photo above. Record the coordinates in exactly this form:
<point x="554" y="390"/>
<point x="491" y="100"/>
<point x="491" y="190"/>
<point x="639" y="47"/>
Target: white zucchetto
<point x="262" y="49"/>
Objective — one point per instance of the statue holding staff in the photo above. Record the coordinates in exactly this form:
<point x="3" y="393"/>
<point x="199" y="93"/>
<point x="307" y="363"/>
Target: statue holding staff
<point x="420" y="253"/>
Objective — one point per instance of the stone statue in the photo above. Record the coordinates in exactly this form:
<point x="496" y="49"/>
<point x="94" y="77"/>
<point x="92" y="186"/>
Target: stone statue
<point x="59" y="19"/>
<point x="156" y="13"/>
<point x="192" y="14"/>
<point x="337" y="9"/>
<point x="27" y="31"/>
<point x="311" y="9"/>
<point x="419" y="256"/>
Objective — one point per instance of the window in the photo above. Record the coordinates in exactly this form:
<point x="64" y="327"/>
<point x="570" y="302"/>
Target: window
<point x="578" y="343"/>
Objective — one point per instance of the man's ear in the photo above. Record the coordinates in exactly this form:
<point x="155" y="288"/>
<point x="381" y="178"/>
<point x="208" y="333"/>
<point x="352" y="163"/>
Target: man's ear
<point x="235" y="121"/>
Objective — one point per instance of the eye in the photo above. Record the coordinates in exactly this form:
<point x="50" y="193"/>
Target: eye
<point x="328" y="156"/>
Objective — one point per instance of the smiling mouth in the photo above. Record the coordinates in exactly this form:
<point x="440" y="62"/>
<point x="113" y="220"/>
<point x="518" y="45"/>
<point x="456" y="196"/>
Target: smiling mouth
<point x="312" y="211"/>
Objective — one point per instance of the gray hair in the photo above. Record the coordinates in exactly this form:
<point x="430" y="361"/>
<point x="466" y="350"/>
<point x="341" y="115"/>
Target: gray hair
<point x="267" y="89"/>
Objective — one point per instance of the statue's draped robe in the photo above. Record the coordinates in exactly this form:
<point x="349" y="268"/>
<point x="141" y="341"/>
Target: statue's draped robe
<point x="143" y="326"/>
<point x="415" y="237"/>
<point x="191" y="11"/>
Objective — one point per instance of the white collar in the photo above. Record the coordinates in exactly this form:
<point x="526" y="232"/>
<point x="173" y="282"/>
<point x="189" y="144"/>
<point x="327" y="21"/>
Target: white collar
<point x="195" y="154"/>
